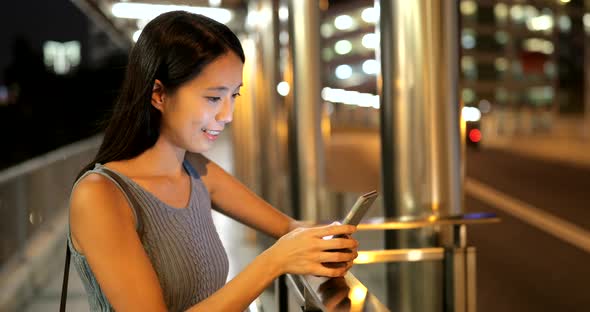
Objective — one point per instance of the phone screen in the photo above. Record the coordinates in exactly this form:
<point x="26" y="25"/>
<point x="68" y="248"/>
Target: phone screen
<point x="360" y="208"/>
<point x="354" y="216"/>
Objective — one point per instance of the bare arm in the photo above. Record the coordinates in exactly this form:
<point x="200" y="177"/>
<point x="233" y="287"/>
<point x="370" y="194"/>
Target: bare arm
<point x="103" y="227"/>
<point x="235" y="200"/>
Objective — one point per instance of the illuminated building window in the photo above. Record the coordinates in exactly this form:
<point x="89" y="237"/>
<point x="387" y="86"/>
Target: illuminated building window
<point x="501" y="37"/>
<point x="501" y="64"/>
<point x="344" y="22"/>
<point x="327" y="30"/>
<point x="468" y="7"/>
<point x="370" y="15"/>
<point x="501" y="95"/>
<point x="343" y="71"/>
<point x="370" y="41"/>
<point x="370" y="67"/>
<point x="343" y="47"/>
<point x="468" y="39"/>
<point x="468" y="95"/>
<point x="565" y="23"/>
<point x="501" y="12"/>
<point x="468" y="68"/>
<point x="61" y="57"/>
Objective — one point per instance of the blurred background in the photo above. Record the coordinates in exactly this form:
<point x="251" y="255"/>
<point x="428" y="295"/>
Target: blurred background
<point x="319" y="123"/>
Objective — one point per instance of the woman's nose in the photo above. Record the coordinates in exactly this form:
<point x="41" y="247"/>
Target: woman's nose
<point x="225" y="115"/>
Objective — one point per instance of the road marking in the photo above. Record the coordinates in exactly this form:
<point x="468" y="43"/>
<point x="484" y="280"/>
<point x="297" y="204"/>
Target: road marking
<point x="536" y="217"/>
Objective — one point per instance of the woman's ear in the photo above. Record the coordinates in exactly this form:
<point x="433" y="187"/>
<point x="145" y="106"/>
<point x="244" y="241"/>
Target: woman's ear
<point x="158" y="95"/>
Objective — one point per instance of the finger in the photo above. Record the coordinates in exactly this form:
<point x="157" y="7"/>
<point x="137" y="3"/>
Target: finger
<point x="349" y="265"/>
<point x="336" y="257"/>
<point x="321" y="270"/>
<point x="338" y="243"/>
<point x="334" y="230"/>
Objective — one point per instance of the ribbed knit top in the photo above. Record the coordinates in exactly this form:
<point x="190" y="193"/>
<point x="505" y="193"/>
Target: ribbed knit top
<point x="182" y="244"/>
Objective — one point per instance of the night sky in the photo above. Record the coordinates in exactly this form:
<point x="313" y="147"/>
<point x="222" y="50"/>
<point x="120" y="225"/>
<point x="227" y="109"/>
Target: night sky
<point x="39" y="21"/>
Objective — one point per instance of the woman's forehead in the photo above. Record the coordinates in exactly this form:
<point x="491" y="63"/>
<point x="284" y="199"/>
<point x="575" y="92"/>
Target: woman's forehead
<point x="225" y="72"/>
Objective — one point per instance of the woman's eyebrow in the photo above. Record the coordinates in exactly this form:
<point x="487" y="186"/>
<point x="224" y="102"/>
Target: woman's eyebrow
<point x="222" y="88"/>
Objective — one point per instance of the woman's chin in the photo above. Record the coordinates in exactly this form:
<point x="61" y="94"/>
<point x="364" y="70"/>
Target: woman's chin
<point x="201" y="147"/>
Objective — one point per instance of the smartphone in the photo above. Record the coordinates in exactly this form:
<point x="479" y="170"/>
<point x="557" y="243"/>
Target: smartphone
<point x="354" y="217"/>
<point x="360" y="208"/>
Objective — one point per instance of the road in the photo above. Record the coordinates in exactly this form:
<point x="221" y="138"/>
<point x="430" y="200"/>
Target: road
<point x="523" y="265"/>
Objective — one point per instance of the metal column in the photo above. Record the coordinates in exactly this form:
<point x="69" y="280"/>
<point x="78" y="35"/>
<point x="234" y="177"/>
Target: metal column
<point x="267" y="102"/>
<point x="421" y="145"/>
<point x="586" y="127"/>
<point x="243" y="129"/>
<point x="304" y="34"/>
<point x="255" y="120"/>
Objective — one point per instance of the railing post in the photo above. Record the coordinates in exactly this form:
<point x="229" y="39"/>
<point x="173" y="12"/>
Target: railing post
<point x="460" y="282"/>
<point x="21" y="210"/>
<point x="471" y="279"/>
<point x="281" y="293"/>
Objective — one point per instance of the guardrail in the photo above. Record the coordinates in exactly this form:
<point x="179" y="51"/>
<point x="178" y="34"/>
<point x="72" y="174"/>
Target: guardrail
<point x="311" y="293"/>
<point x="33" y="218"/>
<point x="305" y="293"/>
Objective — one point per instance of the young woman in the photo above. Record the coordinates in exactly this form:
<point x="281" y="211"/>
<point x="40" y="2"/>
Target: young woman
<point x="141" y="231"/>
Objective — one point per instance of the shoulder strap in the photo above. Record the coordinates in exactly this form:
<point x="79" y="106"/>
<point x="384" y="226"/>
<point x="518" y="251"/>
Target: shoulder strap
<point x="64" y="286"/>
<point x="137" y="211"/>
<point x="135" y="207"/>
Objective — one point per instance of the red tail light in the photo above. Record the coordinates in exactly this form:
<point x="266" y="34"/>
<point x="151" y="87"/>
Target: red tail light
<point x="474" y="135"/>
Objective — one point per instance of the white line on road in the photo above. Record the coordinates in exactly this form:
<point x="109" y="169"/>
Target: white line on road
<point x="544" y="221"/>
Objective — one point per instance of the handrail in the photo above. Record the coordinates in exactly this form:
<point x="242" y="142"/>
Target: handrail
<point x="42" y="161"/>
<point x="346" y="293"/>
<point x="311" y="293"/>
<point x="404" y="223"/>
<point x="399" y="255"/>
<point x="33" y="201"/>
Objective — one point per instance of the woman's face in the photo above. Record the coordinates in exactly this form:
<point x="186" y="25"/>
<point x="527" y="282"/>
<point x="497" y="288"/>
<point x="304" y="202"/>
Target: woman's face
<point x="194" y="115"/>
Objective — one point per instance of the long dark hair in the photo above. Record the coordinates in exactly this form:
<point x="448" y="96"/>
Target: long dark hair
<point x="173" y="48"/>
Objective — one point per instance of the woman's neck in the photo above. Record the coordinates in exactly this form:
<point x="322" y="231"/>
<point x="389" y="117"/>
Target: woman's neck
<point x="162" y="159"/>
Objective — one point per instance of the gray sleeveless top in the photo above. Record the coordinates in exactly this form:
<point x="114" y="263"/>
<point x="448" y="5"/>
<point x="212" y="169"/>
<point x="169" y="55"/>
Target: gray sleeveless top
<point x="182" y="244"/>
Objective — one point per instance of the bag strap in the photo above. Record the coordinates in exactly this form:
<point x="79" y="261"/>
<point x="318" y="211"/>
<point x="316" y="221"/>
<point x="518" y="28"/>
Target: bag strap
<point x="64" y="286"/>
<point x="134" y="204"/>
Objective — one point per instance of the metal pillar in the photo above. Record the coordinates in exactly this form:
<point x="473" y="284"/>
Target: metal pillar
<point x="244" y="132"/>
<point x="267" y="102"/>
<point x="586" y="127"/>
<point x="421" y="145"/>
<point x="304" y="21"/>
<point x="255" y="120"/>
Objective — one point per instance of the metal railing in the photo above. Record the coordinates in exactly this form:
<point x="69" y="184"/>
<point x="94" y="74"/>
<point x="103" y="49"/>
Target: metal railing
<point x="305" y="293"/>
<point x="33" y="217"/>
<point x="311" y="293"/>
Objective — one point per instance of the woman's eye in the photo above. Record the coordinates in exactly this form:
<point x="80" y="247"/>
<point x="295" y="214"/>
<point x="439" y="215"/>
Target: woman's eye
<point x="235" y="95"/>
<point x="214" y="99"/>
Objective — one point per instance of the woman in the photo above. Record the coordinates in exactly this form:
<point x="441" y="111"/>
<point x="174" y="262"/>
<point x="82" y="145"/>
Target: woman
<point x="141" y="231"/>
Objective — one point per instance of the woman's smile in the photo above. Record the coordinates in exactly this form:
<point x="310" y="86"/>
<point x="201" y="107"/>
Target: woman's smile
<point x="211" y="134"/>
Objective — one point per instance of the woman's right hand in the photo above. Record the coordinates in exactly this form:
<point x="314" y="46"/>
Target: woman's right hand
<point x="304" y="250"/>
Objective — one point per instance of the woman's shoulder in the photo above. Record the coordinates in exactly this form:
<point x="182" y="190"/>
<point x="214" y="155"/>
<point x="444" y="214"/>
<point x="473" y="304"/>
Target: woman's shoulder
<point x="93" y="184"/>
<point x="96" y="194"/>
<point x="99" y="211"/>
